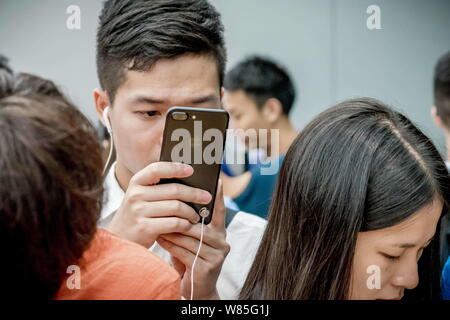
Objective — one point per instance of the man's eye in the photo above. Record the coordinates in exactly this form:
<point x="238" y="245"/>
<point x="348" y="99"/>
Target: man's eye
<point x="390" y="257"/>
<point x="152" y="113"/>
<point x="148" y="114"/>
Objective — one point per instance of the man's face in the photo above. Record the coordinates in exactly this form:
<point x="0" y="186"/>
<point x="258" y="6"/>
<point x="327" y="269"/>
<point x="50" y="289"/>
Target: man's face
<point x="138" y="114"/>
<point x="244" y="113"/>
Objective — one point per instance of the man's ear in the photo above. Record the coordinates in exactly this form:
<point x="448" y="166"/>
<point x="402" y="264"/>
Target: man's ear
<point x="272" y="110"/>
<point x="437" y="119"/>
<point x="101" y="101"/>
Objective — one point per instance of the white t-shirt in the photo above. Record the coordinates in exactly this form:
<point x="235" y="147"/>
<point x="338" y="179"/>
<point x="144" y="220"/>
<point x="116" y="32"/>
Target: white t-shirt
<point x="244" y="235"/>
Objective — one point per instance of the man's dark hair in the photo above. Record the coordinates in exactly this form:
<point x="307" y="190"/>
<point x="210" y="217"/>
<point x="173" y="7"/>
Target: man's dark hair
<point x="261" y="79"/>
<point x="5" y="76"/>
<point x="51" y="186"/>
<point x="134" y="34"/>
<point x="442" y="88"/>
<point x="4" y="64"/>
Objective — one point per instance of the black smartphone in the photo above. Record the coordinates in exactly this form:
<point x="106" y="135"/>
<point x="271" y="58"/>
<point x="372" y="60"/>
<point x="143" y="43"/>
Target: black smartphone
<point x="196" y="136"/>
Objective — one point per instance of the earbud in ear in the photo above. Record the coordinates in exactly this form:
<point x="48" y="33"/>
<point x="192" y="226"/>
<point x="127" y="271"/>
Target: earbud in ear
<point x="105" y="116"/>
<point x="106" y="120"/>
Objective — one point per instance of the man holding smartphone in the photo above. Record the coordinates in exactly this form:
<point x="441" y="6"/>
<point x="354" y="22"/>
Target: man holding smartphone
<point x="152" y="55"/>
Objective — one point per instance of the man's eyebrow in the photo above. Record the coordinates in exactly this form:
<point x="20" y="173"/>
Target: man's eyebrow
<point x="147" y="100"/>
<point x="409" y="245"/>
<point x="207" y="98"/>
<point x="144" y="99"/>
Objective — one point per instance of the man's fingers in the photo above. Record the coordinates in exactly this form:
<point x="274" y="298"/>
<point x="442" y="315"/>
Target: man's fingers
<point x="212" y="237"/>
<point x="156" y="171"/>
<point x="183" y="255"/>
<point x="167" y="208"/>
<point x="218" y="219"/>
<point x="171" y="191"/>
<point x="191" y="244"/>
<point x="158" y="226"/>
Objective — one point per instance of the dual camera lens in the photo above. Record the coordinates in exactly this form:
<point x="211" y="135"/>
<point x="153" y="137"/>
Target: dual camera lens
<point x="181" y="116"/>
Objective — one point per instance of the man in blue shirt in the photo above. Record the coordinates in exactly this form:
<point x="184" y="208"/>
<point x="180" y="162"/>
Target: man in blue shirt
<point x="259" y="96"/>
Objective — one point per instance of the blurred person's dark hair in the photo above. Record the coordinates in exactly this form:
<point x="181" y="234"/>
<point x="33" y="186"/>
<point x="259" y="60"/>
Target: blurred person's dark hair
<point x="442" y="88"/>
<point x="261" y="79"/>
<point x="133" y="35"/>
<point x="4" y="65"/>
<point x="26" y="83"/>
<point x="5" y="76"/>
<point x="51" y="186"/>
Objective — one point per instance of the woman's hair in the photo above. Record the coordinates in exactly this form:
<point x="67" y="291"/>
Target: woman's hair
<point x="51" y="186"/>
<point x="358" y="166"/>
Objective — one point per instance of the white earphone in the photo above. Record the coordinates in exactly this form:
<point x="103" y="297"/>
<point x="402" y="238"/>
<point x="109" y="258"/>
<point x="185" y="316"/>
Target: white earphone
<point x="107" y="124"/>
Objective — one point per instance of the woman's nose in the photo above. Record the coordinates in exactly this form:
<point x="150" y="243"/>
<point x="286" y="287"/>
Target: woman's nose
<point x="407" y="276"/>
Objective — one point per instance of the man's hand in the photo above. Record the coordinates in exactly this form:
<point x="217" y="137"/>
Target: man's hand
<point x="149" y="210"/>
<point x="183" y="247"/>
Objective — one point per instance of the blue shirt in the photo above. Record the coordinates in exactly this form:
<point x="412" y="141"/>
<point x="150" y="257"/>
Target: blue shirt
<point x="257" y="196"/>
<point x="445" y="281"/>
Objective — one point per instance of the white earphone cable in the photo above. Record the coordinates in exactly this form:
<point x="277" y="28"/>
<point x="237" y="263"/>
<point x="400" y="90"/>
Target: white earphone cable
<point x="107" y="124"/>
<point x="195" y="259"/>
<point x="111" y="148"/>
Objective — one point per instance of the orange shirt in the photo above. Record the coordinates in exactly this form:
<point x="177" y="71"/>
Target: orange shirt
<point x="114" y="268"/>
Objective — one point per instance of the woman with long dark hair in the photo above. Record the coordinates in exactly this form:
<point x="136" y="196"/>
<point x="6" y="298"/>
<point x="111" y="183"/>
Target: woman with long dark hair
<point x="356" y="211"/>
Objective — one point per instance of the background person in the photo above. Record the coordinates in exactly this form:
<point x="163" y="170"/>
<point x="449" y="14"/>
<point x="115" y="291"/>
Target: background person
<point x="259" y="95"/>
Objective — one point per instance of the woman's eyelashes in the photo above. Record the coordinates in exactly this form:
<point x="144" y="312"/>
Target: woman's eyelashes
<point x="390" y="257"/>
<point x="393" y="257"/>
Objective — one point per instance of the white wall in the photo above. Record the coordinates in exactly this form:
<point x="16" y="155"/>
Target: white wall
<point x="324" y="43"/>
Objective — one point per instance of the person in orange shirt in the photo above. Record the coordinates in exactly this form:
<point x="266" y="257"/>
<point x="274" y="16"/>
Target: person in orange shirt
<point x="114" y="268"/>
<point x="50" y="200"/>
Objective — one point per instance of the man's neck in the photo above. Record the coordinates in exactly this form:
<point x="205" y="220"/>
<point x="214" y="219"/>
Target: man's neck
<point x="287" y="135"/>
<point x="122" y="175"/>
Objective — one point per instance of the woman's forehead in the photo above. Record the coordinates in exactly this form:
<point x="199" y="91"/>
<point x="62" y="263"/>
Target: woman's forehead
<point x="416" y="230"/>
